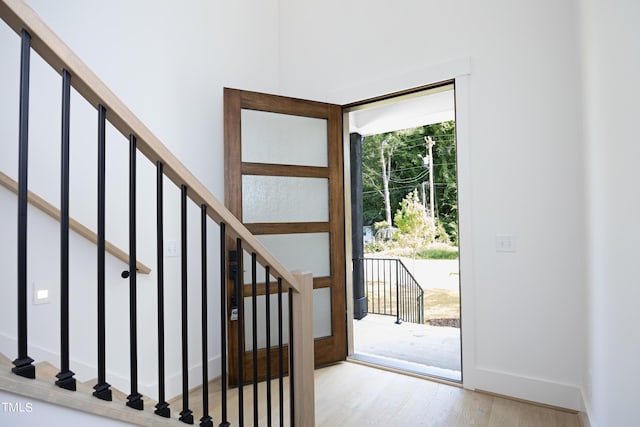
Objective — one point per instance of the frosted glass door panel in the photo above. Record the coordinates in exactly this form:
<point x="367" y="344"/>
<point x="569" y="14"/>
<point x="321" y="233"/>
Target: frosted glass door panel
<point x="321" y="318"/>
<point x="306" y="251"/>
<point x="322" y="312"/>
<point x="260" y="272"/>
<point x="283" y="139"/>
<point x="284" y="199"/>
<point x="262" y="314"/>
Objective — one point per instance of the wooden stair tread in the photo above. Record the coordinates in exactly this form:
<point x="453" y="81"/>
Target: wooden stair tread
<point x="46" y="371"/>
<point x="5" y="361"/>
<point x="43" y="388"/>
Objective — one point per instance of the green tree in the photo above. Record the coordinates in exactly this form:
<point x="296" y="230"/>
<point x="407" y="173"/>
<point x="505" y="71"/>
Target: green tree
<point x="406" y="171"/>
<point x="415" y="228"/>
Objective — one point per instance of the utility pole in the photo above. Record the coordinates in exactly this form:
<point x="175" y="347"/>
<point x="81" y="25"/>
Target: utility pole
<point x="424" y="195"/>
<point x="430" y="142"/>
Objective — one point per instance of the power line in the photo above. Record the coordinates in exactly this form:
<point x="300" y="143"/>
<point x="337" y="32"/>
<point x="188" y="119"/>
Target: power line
<point x="396" y="189"/>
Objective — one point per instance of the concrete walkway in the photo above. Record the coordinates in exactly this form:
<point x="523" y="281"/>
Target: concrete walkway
<point x="422" y="349"/>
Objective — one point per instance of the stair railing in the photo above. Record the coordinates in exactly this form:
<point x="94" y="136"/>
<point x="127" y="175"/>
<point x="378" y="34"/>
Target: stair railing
<point x="392" y="290"/>
<point x="36" y="36"/>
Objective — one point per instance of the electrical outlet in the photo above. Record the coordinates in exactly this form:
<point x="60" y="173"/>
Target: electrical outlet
<point x="505" y="243"/>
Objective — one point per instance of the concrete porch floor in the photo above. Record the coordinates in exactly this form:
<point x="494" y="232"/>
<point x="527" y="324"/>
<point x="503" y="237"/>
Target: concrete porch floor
<point x="421" y="349"/>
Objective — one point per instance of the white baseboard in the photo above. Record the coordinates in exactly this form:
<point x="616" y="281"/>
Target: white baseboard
<point x="526" y="388"/>
<point x="584" y="413"/>
<point x="83" y="371"/>
<point x="174" y="381"/>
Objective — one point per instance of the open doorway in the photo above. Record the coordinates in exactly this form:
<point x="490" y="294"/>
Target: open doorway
<point x="406" y="282"/>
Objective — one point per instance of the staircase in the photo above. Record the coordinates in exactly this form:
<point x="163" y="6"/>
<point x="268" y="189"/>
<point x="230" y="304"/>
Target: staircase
<point x="42" y="388"/>
<point x="53" y="381"/>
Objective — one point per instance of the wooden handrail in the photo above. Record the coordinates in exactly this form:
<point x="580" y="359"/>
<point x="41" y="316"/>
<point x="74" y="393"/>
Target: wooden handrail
<point x="59" y="56"/>
<point x="74" y="225"/>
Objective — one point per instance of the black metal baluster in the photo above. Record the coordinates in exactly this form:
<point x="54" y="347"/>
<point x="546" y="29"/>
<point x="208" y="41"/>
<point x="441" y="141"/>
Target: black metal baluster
<point x="397" y="296"/>
<point x="206" y="420"/>
<point x="186" y="415"/>
<point x="162" y="407"/>
<point x="267" y="303"/>
<point x="410" y="294"/>
<point x="373" y="285"/>
<point x="240" y="302"/>
<point x="65" y="376"/>
<point x="367" y="294"/>
<point x="102" y="390"/>
<point x="254" y="331"/>
<point x="403" y="296"/>
<point x="409" y="291"/>
<point x="23" y="364"/>
<point x="373" y="288"/>
<point x="280" y="355"/>
<point x="405" y="299"/>
<point x="223" y="324"/>
<point x="413" y="301"/>
<point x="405" y="283"/>
<point x="292" y="391"/>
<point x="384" y="290"/>
<point x="378" y="277"/>
<point x="134" y="400"/>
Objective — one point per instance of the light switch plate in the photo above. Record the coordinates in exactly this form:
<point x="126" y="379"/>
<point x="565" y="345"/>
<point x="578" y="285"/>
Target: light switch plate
<point x="506" y="243"/>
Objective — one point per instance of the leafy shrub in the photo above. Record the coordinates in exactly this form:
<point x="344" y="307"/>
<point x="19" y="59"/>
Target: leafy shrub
<point x="415" y="228"/>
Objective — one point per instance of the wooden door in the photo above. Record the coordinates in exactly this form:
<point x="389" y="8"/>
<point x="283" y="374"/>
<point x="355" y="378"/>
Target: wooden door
<point x="284" y="181"/>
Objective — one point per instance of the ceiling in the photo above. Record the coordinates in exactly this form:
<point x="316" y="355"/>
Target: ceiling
<point x="404" y="112"/>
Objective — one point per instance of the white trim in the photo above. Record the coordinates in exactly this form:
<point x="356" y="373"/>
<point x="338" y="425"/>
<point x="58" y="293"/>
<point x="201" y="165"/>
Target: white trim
<point x="465" y="230"/>
<point x="174" y="381"/>
<point x="538" y="390"/>
<point x="459" y="71"/>
<point x="346" y="165"/>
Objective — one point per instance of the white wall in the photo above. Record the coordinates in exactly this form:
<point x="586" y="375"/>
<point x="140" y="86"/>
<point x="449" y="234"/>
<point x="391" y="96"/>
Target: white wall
<point x="525" y="160"/>
<point x="526" y="143"/>
<point x="612" y="66"/>
<point x="168" y="62"/>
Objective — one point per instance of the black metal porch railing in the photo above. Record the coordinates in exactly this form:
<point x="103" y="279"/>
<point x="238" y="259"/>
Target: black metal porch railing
<point x="210" y="213"/>
<point x="392" y="290"/>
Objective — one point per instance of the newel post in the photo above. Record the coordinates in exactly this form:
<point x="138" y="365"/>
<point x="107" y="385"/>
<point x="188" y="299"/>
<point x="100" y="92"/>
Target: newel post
<point x="303" y="354"/>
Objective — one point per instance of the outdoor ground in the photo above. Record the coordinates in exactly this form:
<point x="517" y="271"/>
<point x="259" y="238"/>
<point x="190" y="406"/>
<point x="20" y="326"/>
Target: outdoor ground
<point x="431" y="349"/>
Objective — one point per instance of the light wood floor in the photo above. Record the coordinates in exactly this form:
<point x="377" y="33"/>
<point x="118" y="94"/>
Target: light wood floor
<point x="350" y="394"/>
<point x="347" y="394"/>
